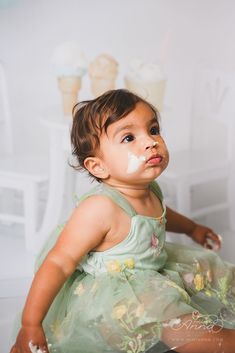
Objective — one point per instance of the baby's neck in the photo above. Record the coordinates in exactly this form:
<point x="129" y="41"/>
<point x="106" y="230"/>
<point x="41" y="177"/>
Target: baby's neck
<point x="133" y="191"/>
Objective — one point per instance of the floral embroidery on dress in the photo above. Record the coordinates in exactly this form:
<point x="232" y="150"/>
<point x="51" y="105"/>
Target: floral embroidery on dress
<point x="181" y="290"/>
<point x="130" y="263"/>
<point x="119" y="311"/>
<point x="202" y="280"/>
<point x="155" y="245"/>
<point x="79" y="290"/>
<point x="133" y="341"/>
<point x="154" y="241"/>
<point x="198" y="282"/>
<point x="56" y="329"/>
<point x="224" y="287"/>
<point x="113" y="266"/>
<point x="117" y="266"/>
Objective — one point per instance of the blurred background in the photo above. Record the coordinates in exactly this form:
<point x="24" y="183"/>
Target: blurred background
<point x="188" y="46"/>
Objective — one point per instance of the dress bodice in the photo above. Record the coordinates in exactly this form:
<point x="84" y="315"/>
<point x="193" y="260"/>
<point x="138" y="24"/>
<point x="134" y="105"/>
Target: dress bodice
<point x="142" y="248"/>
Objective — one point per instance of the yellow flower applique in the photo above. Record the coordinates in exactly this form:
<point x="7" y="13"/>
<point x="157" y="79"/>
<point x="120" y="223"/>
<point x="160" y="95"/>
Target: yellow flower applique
<point x="113" y="266"/>
<point x="130" y="263"/>
<point x="79" y="289"/>
<point x="119" y="311"/>
<point x="56" y="330"/>
<point x="198" y="282"/>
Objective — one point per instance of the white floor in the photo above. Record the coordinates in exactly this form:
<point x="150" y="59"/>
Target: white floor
<point x="16" y="273"/>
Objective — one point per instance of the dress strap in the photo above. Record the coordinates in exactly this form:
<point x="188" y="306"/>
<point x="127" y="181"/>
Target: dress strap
<point x="156" y="189"/>
<point x="115" y="195"/>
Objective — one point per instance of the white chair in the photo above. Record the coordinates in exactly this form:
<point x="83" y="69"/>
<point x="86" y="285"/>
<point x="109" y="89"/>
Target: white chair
<point x="192" y="174"/>
<point x="24" y="174"/>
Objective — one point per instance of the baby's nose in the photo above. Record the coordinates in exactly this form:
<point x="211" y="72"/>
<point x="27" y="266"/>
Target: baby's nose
<point x="151" y="144"/>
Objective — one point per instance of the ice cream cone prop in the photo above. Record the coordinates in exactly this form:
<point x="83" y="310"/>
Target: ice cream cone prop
<point x="69" y="87"/>
<point x="70" y="66"/>
<point x="148" y="81"/>
<point x="151" y="91"/>
<point x="103" y="72"/>
<point x="101" y="85"/>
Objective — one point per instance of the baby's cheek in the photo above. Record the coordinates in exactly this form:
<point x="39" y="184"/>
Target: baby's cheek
<point x="134" y="162"/>
<point x="166" y="155"/>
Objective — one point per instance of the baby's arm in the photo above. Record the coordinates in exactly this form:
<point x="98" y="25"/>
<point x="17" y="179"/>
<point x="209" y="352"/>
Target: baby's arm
<point x="84" y="231"/>
<point x="178" y="223"/>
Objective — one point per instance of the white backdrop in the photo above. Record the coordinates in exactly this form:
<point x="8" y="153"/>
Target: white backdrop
<point x="200" y="32"/>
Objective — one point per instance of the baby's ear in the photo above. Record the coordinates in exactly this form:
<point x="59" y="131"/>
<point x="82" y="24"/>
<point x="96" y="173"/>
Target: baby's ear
<point x="96" y="167"/>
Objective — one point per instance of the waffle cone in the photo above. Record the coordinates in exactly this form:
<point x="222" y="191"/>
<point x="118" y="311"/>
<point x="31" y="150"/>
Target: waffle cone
<point x="69" y="87"/>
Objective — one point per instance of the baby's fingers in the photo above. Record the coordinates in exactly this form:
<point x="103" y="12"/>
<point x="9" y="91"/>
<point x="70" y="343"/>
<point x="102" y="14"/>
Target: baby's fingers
<point x="212" y="241"/>
<point x="38" y="349"/>
<point x="32" y="348"/>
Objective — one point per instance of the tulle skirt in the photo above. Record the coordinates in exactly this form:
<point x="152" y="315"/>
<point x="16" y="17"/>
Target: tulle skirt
<point x="143" y="311"/>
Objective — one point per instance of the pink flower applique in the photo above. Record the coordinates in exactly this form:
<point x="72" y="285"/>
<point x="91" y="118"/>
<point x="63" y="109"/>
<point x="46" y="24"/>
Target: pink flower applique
<point x="154" y="241"/>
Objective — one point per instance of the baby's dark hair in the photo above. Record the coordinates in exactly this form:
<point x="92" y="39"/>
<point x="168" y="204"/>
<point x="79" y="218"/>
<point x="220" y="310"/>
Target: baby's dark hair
<point x="92" y="117"/>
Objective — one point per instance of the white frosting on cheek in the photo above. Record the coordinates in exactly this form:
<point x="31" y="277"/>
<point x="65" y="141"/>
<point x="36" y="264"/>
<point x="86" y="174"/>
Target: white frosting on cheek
<point x="34" y="348"/>
<point x="134" y="162"/>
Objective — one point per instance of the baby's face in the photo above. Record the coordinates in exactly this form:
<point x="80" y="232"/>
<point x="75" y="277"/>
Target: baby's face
<point x="132" y="150"/>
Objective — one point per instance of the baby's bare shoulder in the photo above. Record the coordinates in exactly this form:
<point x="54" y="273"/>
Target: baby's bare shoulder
<point x="88" y="225"/>
<point x="99" y="204"/>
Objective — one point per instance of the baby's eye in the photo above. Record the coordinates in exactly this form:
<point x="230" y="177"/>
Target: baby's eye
<point x="128" y="138"/>
<point x="154" y="130"/>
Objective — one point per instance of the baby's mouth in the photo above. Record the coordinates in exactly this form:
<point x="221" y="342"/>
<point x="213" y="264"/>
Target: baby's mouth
<point x="155" y="159"/>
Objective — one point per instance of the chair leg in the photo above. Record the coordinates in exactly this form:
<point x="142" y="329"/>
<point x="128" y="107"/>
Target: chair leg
<point x="30" y="213"/>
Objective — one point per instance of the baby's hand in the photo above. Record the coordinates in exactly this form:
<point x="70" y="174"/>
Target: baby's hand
<point x="206" y="237"/>
<point x="30" y="340"/>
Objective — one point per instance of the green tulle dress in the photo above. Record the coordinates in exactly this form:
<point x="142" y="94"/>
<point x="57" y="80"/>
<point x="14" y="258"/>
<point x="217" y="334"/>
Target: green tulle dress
<point x="134" y="297"/>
